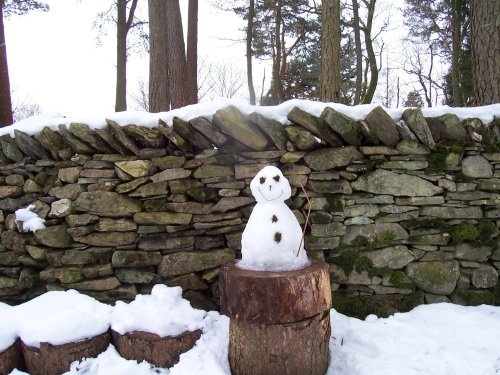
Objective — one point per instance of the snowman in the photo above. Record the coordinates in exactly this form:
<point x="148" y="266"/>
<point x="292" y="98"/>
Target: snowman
<point x="272" y="239"/>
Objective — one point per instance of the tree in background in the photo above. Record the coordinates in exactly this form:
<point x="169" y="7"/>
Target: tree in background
<point x="192" y="52"/>
<point x="158" y="95"/>
<point x="330" y="51"/>
<point x="25" y="108"/>
<point x="7" y="8"/>
<point x="123" y="14"/>
<point x="485" y="38"/>
<point x="413" y="99"/>
<point x="444" y="26"/>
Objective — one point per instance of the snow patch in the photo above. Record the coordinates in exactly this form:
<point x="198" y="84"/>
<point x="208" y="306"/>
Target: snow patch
<point x="30" y="220"/>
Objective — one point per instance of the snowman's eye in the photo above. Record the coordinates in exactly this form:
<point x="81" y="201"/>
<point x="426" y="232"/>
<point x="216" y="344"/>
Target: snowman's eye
<point x="276" y="178"/>
<point x="262" y="180"/>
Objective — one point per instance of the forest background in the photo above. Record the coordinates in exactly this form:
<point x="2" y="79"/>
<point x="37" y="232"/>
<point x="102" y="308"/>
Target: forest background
<point x="158" y="55"/>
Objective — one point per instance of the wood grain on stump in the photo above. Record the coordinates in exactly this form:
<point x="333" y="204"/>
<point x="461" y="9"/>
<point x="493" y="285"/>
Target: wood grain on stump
<point x="160" y="351"/>
<point x="11" y="358"/>
<point x="267" y="297"/>
<point x="280" y="321"/>
<point x="56" y="359"/>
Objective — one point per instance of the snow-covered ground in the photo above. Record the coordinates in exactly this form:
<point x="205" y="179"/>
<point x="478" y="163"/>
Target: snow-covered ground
<point x="34" y="124"/>
<point x="434" y="339"/>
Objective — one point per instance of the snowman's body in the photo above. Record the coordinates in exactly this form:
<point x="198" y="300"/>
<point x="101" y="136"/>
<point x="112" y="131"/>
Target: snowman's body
<point x="272" y="239"/>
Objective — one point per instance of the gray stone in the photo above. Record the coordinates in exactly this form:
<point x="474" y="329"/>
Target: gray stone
<point x="135" y="276"/>
<point x="121" y="137"/>
<point x="69" y="191"/>
<point x="183" y="263"/>
<point x="433" y="298"/>
<point x="328" y="158"/>
<point x="386" y="182"/>
<point x="187" y="132"/>
<point x="61" y="208"/>
<point x="420" y="201"/>
<point x="484" y="277"/>
<point x="407" y="147"/>
<point x="301" y="138"/>
<point x="466" y="251"/>
<point x="107" y="283"/>
<point x="416" y="121"/>
<point x="84" y="133"/>
<point x="170" y="174"/>
<point x="411" y="165"/>
<point x="69" y="175"/>
<point x="93" y="255"/>
<point x="165" y="242"/>
<point x="107" y="238"/>
<point x="169" y="162"/>
<point x="327" y="230"/>
<point x="146" y="136"/>
<point x="230" y="203"/>
<point x="209" y="170"/>
<point x="150" y="190"/>
<point x="205" y="127"/>
<point x="374" y="231"/>
<point x="358" y="220"/>
<point x="435" y="277"/>
<point x="235" y="124"/>
<point x="10" y="148"/>
<point x="367" y="210"/>
<point x="315" y="125"/>
<point x="272" y="128"/>
<point x="10" y="191"/>
<point x="29" y="146"/>
<point x="109" y="204"/>
<point x="79" y="220"/>
<point x="321" y="243"/>
<point x="447" y="127"/>
<point x="136" y="168"/>
<point x="383" y="126"/>
<point x="173" y="137"/>
<point x="63" y="274"/>
<point x="112" y="225"/>
<point x="159" y="218"/>
<point x="330" y="187"/>
<point x="56" y="236"/>
<point x="12" y="204"/>
<point x="476" y="167"/>
<point x="492" y="184"/>
<point x="378" y="150"/>
<point x="97" y="271"/>
<point x="134" y="258"/>
<point x="343" y="125"/>
<point x="452" y="212"/>
<point x="52" y="142"/>
<point x="75" y="144"/>
<point x="393" y="257"/>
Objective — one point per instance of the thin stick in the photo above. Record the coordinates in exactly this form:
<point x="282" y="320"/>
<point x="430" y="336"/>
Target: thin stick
<point x="307" y="218"/>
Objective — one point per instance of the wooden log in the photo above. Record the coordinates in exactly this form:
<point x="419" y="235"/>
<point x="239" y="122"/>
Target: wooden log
<point x="56" y="359"/>
<point x="160" y="351"/>
<point x="280" y="321"/>
<point x="266" y="297"/>
<point x="299" y="348"/>
<point x="11" y="358"/>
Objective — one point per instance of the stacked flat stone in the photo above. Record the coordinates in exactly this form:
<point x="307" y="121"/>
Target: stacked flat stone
<point x="127" y="207"/>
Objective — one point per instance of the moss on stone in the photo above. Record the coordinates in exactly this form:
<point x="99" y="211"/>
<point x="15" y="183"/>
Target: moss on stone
<point x="424" y="223"/>
<point x="478" y="235"/>
<point x="357" y="306"/>
<point x="464" y="232"/>
<point x="411" y="301"/>
<point x="350" y="259"/>
<point x="457" y="149"/>
<point x="400" y="280"/>
<point x="477" y="297"/>
<point x="380" y="272"/>
<point x="155" y="205"/>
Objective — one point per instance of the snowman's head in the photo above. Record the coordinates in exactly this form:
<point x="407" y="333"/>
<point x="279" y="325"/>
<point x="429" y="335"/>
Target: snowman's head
<point x="269" y="185"/>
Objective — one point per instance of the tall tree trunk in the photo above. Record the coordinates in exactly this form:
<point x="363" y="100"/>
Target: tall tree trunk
<point x="359" y="53"/>
<point x="176" y="55"/>
<point x="5" y="99"/>
<point x="251" y="16"/>
<point x="372" y="59"/>
<point x="330" y="52"/>
<point x="123" y="25"/>
<point x="455" y="53"/>
<point x="485" y="40"/>
<point x="276" y="82"/>
<point x="159" y="98"/>
<point x="121" y="57"/>
<point x="192" y="52"/>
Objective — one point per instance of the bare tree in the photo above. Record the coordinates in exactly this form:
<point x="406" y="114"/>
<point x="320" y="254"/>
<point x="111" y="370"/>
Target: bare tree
<point x="24" y="108"/>
<point x="249" y="52"/>
<point x="140" y="97"/>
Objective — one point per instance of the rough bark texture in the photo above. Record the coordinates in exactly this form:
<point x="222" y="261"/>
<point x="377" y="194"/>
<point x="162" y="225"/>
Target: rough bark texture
<point x="251" y="15"/>
<point x="162" y="352"/>
<point x="330" y="52"/>
<point x="56" y="359"/>
<point x="274" y="297"/>
<point x="372" y="59"/>
<point x="299" y="348"/>
<point x="5" y="99"/>
<point x="11" y="358"/>
<point x="485" y="38"/>
<point x="176" y="55"/>
<point x="159" y="99"/>
<point x="359" y="53"/>
<point x="121" y="57"/>
<point x="192" y="52"/>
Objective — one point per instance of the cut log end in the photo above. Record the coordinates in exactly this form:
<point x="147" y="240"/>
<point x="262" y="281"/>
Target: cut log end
<point x="160" y="351"/>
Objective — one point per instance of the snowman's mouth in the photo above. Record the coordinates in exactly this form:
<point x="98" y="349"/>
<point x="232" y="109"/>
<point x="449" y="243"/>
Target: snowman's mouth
<point x="270" y="199"/>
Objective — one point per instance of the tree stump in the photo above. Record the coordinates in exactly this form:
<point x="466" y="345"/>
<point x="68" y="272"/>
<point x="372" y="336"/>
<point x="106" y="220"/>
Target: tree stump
<point x="160" y="351"/>
<point x="280" y="321"/>
<point x="56" y="359"/>
<point x="11" y="358"/>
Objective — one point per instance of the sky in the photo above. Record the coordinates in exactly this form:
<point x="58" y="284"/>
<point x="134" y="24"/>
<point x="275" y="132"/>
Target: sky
<point x="55" y="61"/>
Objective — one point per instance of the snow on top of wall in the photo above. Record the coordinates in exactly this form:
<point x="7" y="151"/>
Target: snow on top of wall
<point x="35" y="124"/>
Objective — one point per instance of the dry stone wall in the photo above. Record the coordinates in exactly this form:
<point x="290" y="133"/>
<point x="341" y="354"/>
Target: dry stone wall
<point x="404" y="212"/>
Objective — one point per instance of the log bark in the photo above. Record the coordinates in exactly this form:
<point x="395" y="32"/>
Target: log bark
<point x="299" y="348"/>
<point x="11" y="358"/>
<point x="274" y="297"/>
<point x="161" y="352"/>
<point x="56" y="359"/>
